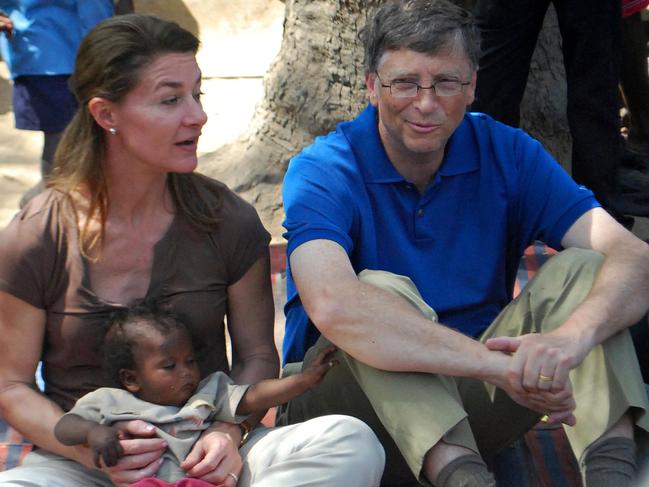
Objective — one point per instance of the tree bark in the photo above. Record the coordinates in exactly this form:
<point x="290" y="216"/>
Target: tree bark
<point x="317" y="80"/>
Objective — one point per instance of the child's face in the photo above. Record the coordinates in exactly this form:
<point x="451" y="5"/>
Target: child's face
<point x="166" y="371"/>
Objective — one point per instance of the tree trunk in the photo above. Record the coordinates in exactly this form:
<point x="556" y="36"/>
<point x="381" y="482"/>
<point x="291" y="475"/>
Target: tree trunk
<point x="317" y="80"/>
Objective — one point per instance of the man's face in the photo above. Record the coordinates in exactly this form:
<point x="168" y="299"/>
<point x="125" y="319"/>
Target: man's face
<point x="415" y="130"/>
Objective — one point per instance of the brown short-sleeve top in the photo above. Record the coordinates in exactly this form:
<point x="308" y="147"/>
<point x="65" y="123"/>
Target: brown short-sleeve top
<point x="40" y="263"/>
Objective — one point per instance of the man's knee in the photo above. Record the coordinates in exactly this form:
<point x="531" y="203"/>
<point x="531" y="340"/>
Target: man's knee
<point x="576" y="260"/>
<point x="399" y="285"/>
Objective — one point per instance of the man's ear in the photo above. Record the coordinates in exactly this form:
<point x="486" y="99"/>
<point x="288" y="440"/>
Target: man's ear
<point x="370" y="83"/>
<point x="469" y="92"/>
<point x="102" y="111"/>
<point x="129" y="381"/>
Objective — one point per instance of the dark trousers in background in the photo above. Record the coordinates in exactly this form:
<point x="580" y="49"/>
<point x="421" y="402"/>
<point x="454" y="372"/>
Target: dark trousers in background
<point x="591" y="44"/>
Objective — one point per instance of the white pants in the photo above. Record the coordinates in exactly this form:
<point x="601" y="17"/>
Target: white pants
<point x="323" y="452"/>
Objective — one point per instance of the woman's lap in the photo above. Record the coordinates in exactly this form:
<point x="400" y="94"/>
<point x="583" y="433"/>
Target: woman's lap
<point x="44" y="469"/>
<point x="330" y="450"/>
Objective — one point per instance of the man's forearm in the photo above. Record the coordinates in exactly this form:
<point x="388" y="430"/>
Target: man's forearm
<point x="383" y="330"/>
<point x="618" y="298"/>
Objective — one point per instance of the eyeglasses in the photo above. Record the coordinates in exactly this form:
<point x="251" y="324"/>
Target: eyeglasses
<point x="410" y="89"/>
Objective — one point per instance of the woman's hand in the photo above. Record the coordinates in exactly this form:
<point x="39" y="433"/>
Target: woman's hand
<point x="142" y="453"/>
<point x="215" y="456"/>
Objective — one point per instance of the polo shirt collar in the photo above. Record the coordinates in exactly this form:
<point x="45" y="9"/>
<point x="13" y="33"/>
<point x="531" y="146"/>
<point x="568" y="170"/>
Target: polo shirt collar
<point x="363" y="136"/>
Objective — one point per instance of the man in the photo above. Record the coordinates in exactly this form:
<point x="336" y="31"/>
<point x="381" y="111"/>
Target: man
<point x="405" y="228"/>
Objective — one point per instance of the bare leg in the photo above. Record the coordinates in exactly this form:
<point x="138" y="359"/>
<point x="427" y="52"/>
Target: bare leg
<point x="51" y="141"/>
<point x="49" y="149"/>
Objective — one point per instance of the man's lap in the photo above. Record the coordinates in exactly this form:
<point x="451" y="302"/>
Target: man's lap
<point x="487" y="407"/>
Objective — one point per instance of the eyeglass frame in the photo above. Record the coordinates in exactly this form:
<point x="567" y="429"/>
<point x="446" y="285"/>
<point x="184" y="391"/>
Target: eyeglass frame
<point x="462" y="84"/>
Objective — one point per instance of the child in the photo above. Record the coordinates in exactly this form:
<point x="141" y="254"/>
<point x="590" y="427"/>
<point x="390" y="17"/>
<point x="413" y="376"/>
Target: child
<point x="149" y="353"/>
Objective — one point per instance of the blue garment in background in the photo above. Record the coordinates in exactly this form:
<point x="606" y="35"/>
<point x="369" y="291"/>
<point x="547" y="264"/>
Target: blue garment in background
<point x="47" y="33"/>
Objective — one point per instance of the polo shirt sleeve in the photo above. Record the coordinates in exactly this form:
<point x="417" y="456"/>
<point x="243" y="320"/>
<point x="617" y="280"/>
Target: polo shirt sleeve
<point x="549" y="200"/>
<point x="317" y="196"/>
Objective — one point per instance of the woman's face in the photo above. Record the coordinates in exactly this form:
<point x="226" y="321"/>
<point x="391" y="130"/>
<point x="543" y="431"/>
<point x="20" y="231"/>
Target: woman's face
<point x="160" y="120"/>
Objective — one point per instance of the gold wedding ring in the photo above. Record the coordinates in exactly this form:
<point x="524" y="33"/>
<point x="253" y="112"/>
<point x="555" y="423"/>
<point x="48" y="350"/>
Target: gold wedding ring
<point x="545" y="378"/>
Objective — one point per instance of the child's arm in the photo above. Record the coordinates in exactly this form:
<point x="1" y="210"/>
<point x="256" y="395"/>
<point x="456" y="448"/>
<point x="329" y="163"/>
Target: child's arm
<point x="103" y="440"/>
<point x="273" y="392"/>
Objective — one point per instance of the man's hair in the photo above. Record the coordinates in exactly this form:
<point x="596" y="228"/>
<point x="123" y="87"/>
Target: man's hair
<point x="426" y="26"/>
<point x="124" y="329"/>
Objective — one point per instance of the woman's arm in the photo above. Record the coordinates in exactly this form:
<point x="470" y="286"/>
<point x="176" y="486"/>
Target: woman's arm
<point x="22" y="330"/>
<point x="251" y="316"/>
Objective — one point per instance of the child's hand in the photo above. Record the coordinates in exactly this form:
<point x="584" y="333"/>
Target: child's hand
<point x="316" y="370"/>
<point x="104" y="443"/>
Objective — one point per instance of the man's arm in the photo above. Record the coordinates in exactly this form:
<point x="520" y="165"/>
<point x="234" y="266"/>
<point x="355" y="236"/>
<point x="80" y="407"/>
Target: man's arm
<point x="620" y="295"/>
<point x="618" y="299"/>
<point x="386" y="332"/>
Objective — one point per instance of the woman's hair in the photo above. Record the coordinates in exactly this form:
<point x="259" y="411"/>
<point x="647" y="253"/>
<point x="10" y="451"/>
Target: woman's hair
<point x="109" y="63"/>
<point x="124" y="329"/>
<point x="426" y="26"/>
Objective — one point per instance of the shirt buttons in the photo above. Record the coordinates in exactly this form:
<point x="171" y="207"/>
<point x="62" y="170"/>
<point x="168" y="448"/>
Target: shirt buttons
<point x="420" y="212"/>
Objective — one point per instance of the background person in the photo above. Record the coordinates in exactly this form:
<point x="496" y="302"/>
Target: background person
<point x="405" y="230"/>
<point x="39" y="45"/>
<point x="125" y="217"/>
<point x="634" y="77"/>
<point x="591" y="44"/>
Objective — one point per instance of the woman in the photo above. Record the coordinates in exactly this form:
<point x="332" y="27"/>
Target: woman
<point x="126" y="218"/>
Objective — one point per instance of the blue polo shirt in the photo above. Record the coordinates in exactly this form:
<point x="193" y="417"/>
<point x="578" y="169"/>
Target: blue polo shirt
<point x="460" y="241"/>
<point x="47" y="33"/>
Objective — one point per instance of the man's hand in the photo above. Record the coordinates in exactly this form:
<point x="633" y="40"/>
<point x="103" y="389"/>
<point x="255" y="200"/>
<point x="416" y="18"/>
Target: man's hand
<point x="215" y="456"/>
<point x="104" y="443"/>
<point x="538" y="372"/>
<point x="6" y="25"/>
<point x="557" y="404"/>
<point x="540" y="362"/>
<point x="142" y="453"/>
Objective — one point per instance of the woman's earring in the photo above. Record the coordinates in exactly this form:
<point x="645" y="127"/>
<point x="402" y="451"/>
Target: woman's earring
<point x="113" y="131"/>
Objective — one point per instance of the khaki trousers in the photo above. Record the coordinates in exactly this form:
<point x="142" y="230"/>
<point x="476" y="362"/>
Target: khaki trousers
<point x="411" y="412"/>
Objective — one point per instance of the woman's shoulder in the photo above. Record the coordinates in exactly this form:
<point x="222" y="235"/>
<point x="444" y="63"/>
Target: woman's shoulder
<point x="42" y="219"/>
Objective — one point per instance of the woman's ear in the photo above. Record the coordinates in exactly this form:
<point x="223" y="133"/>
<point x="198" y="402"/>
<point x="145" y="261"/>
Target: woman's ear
<point x="102" y="111"/>
<point x="129" y="381"/>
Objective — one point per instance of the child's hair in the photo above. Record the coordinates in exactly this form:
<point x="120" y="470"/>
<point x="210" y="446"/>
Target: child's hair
<point x="125" y="326"/>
